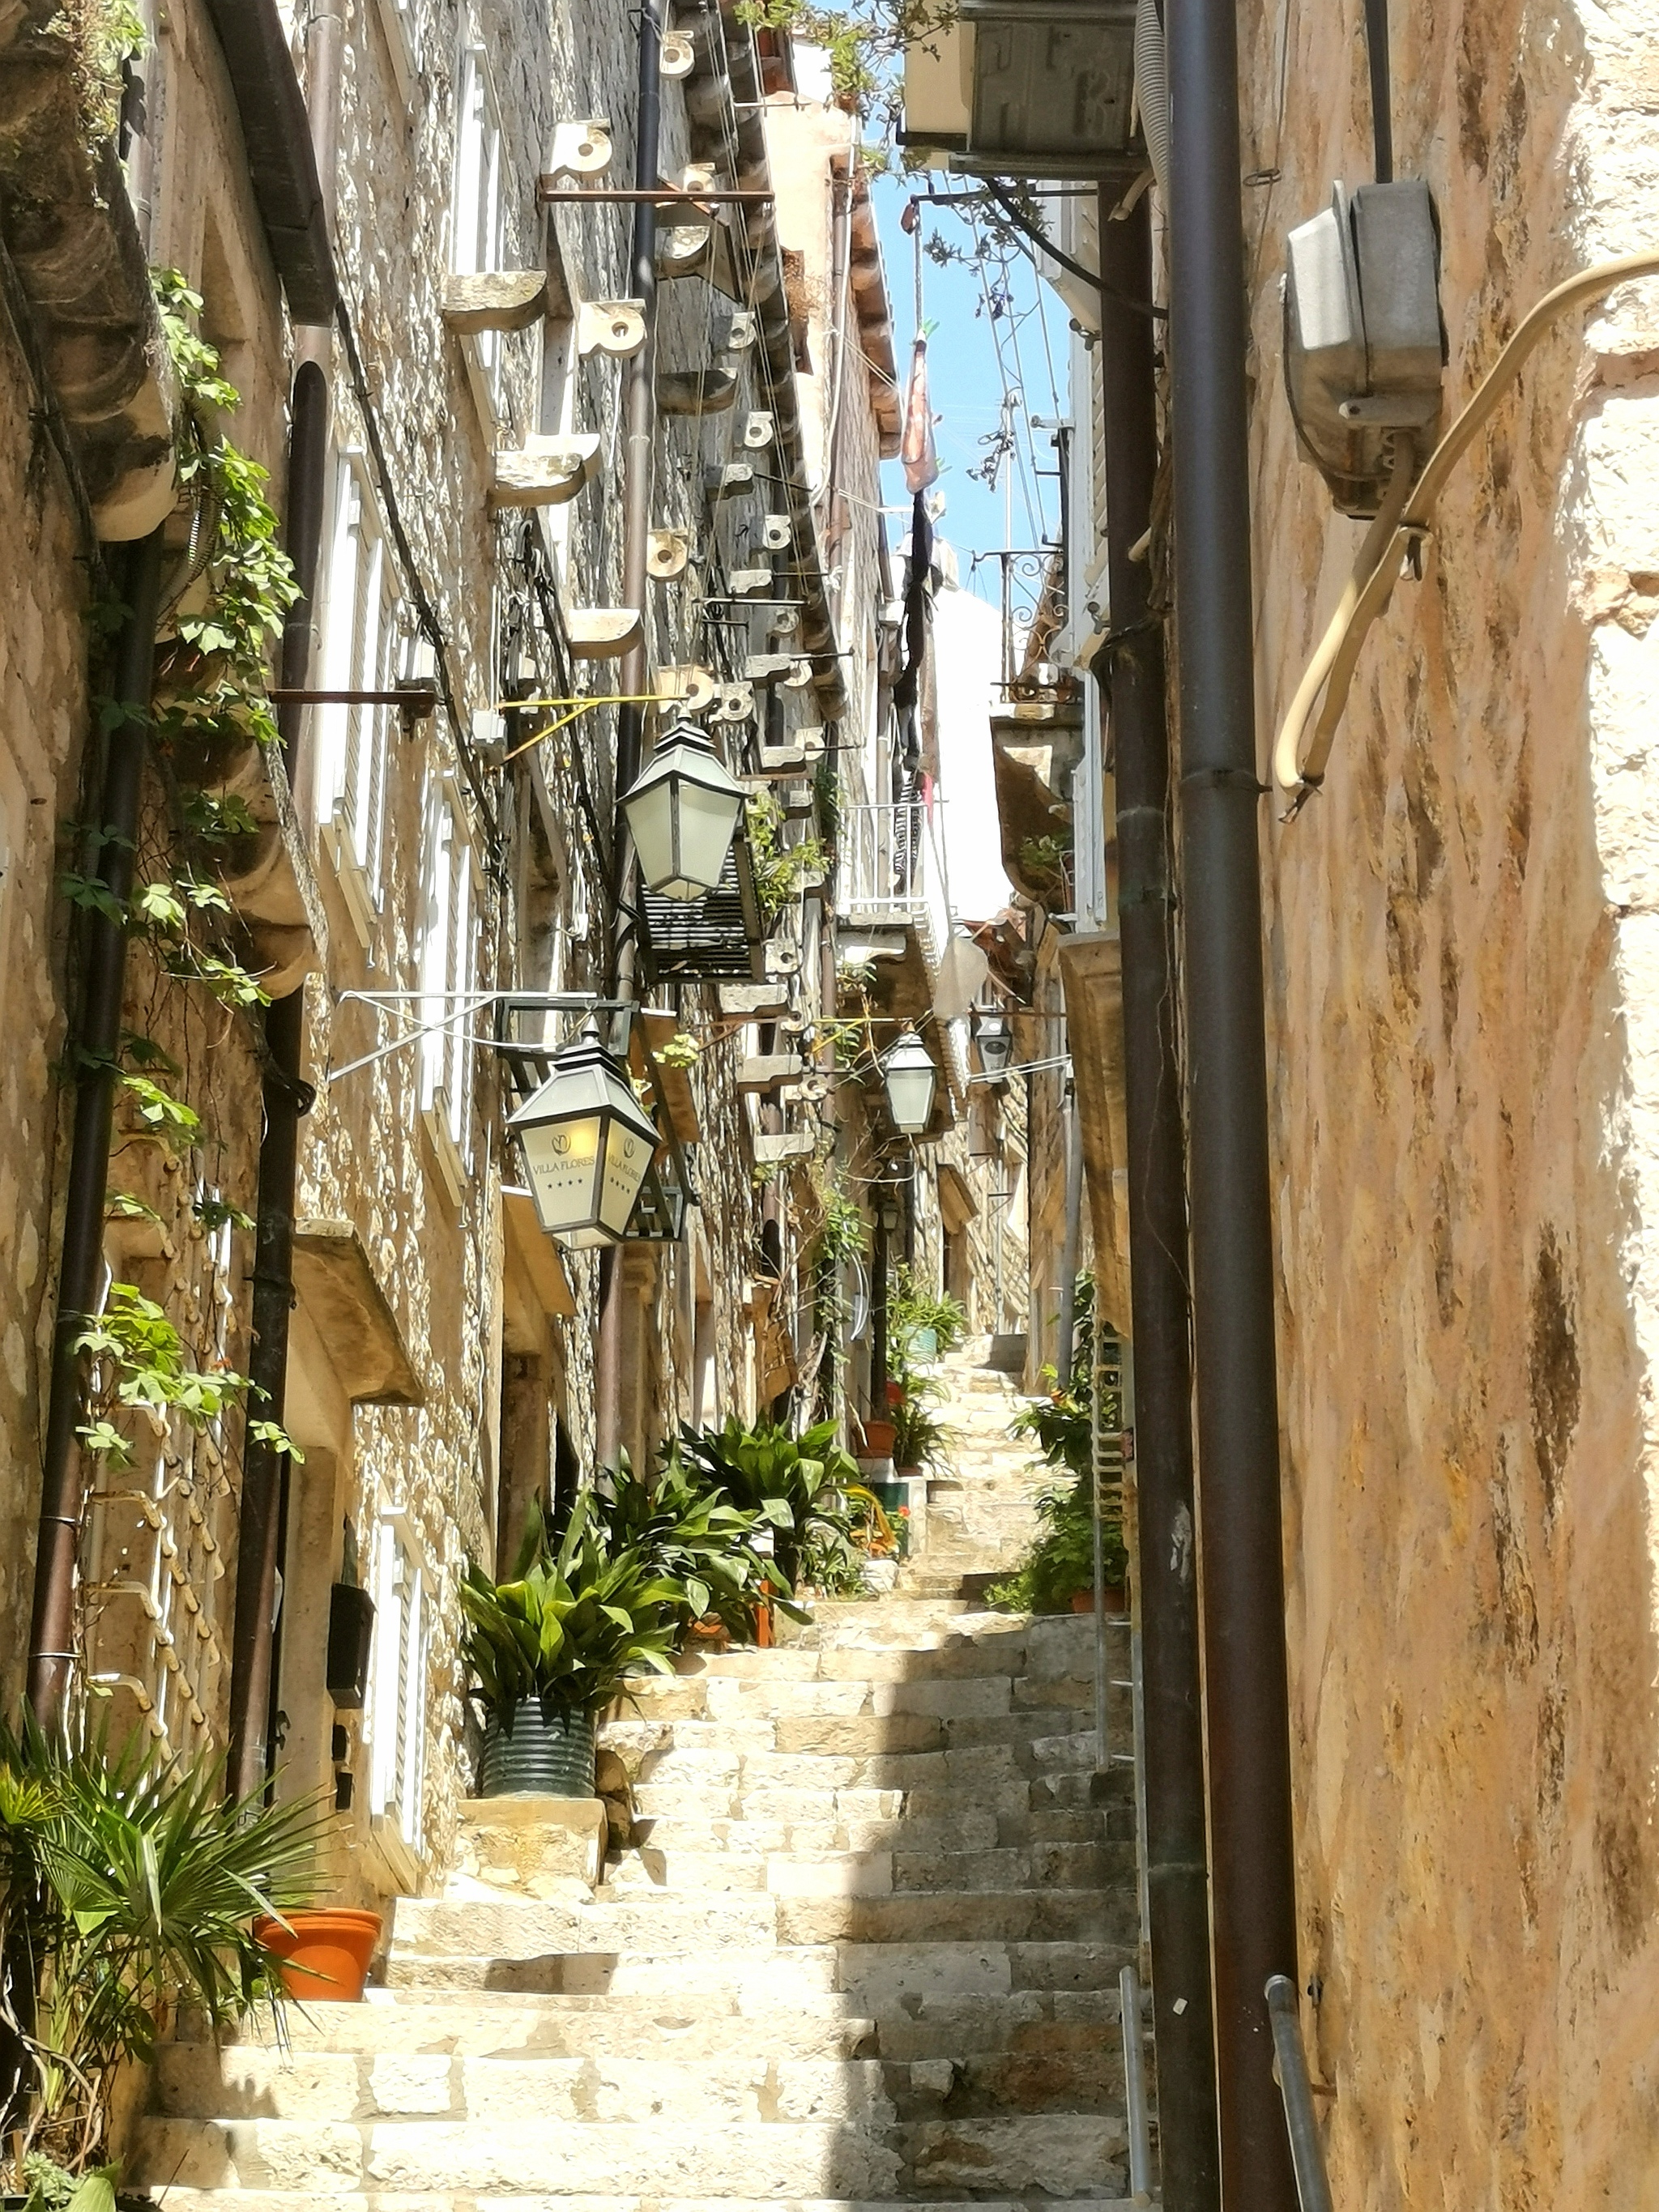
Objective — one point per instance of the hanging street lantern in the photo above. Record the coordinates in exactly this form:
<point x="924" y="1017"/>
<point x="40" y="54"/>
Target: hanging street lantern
<point x="911" y="1080"/>
<point x="587" y="1143"/>
<point x="995" y="1036"/>
<point x="682" y="814"/>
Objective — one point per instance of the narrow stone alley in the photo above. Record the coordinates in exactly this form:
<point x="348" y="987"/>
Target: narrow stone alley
<point x="863" y="1947"/>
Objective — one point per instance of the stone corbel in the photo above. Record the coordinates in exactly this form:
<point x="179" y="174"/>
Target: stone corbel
<point x="580" y="149"/>
<point x="544" y="471"/>
<point x="493" y="299"/>
<point x="696" y="390"/>
<point x="615" y="327"/>
<point x="603" y="633"/>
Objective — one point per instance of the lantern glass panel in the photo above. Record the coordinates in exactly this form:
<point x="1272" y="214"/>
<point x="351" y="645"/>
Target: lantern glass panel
<point x="627" y="1156"/>
<point x="650" y="818"/>
<point x="911" y="1080"/>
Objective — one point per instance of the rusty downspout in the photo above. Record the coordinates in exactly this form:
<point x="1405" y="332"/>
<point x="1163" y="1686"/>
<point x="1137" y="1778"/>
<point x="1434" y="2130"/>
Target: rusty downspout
<point x="93" y="1054"/>
<point x="1131" y="672"/>
<point x="1242" y="1567"/>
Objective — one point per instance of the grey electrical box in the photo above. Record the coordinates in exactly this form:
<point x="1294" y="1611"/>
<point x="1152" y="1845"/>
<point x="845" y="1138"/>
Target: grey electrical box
<point x="1053" y="87"/>
<point x="1363" y="343"/>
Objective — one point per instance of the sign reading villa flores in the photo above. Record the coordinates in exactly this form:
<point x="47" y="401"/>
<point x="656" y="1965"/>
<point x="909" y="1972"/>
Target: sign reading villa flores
<point x="587" y="1143"/>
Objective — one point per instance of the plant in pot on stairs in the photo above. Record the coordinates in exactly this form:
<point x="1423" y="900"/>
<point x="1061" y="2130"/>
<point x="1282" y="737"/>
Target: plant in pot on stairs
<point x="552" y="1646"/>
<point x="129" y="1890"/>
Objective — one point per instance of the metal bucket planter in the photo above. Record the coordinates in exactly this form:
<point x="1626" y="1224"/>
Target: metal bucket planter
<point x="547" y="1753"/>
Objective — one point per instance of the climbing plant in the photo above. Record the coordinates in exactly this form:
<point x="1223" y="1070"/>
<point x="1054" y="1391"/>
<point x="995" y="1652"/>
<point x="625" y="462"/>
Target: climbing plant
<point x="780" y="869"/>
<point x="232" y="588"/>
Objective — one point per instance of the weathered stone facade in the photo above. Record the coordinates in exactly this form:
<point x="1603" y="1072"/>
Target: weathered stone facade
<point x="1460" y="971"/>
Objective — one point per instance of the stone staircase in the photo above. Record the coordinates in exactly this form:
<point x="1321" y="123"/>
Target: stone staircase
<point x="982" y="1508"/>
<point x="863" y="1952"/>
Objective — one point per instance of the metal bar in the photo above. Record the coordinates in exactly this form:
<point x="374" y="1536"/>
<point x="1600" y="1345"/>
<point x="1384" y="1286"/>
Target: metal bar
<point x="1175" y="1852"/>
<point x="1248" y="1732"/>
<point x="1135" y="2087"/>
<point x="62" y="1485"/>
<point x="645" y="195"/>
<point x="1313" y="2186"/>
<point x="1376" y="53"/>
<point x="414" y="698"/>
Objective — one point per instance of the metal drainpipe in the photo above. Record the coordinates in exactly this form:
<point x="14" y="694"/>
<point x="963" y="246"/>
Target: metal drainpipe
<point x="52" y="1656"/>
<point x="267" y="1474"/>
<point x="1066" y="1318"/>
<point x="1177" y="1869"/>
<point x="639" y="430"/>
<point x="1241" y="1558"/>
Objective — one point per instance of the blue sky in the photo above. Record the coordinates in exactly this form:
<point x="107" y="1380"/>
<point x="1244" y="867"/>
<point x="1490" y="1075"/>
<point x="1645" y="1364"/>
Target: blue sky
<point x="967" y="381"/>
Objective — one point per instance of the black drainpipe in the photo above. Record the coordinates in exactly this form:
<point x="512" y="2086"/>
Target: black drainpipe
<point x="639" y="429"/>
<point x="1240" y="1558"/>
<point x="267" y="1474"/>
<point x="1132" y="668"/>
<point x="93" y="1052"/>
<point x="266" y="1470"/>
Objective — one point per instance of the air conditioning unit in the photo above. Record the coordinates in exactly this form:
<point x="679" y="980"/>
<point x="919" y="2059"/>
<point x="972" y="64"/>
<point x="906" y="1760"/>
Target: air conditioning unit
<point x="1028" y="88"/>
<point x="1364" y="342"/>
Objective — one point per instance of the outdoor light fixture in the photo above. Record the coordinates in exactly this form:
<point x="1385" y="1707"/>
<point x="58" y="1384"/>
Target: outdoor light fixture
<point x="911" y="1080"/>
<point x="889" y="1214"/>
<point x="995" y="1036"/>
<point x="587" y="1143"/>
<point x="682" y="814"/>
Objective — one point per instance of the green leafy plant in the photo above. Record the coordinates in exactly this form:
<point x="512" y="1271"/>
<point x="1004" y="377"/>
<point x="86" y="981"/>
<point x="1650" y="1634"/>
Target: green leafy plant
<point x="682" y="1050"/>
<point x="104" y="35"/>
<point x="778" y="869"/>
<point x="920" y="1439"/>
<point x="129" y="1886"/>
<point x="1062" y="1560"/>
<point x="697" y="1538"/>
<point x="913" y="1311"/>
<point x="571" y="1624"/>
<point x="797" y="1483"/>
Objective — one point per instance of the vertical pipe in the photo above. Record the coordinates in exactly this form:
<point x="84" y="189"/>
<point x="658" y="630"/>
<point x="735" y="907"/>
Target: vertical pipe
<point x="262" y="1528"/>
<point x="639" y="427"/>
<point x="63" y="1487"/>
<point x="1377" y="54"/>
<point x="1313" y="2186"/>
<point x="1066" y="1320"/>
<point x="1134" y="2086"/>
<point x="261" y="1538"/>
<point x="1177" y="1854"/>
<point x="1242" y="1567"/>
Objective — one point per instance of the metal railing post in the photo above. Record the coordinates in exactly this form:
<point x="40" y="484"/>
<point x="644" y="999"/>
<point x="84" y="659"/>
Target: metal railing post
<point x="1134" y="2087"/>
<point x="1313" y="2187"/>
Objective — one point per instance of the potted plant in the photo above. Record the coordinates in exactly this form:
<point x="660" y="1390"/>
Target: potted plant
<point x="920" y="1439"/>
<point x="795" y="1484"/>
<point x="719" y="1556"/>
<point x="130" y="1886"/>
<point x="323" y="1952"/>
<point x="554" y="1645"/>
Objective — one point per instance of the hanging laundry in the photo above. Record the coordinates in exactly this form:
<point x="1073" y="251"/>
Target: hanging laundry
<point x="916" y="448"/>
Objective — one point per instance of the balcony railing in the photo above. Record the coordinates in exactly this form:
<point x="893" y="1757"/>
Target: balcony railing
<point x="892" y="872"/>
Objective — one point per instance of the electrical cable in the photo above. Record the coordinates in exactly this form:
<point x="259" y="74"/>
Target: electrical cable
<point x="1391" y="538"/>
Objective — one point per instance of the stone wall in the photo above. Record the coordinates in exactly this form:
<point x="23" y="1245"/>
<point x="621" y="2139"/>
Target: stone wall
<point x="1461" y="970"/>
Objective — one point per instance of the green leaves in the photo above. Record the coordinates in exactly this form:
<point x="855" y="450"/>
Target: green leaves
<point x="572" y="1626"/>
<point x="145" y="1356"/>
<point x="132" y="1883"/>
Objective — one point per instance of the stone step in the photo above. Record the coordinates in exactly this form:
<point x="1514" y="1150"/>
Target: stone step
<point x="1032" y="1648"/>
<point x="985" y="1915"/>
<point x="721" y="1750"/>
<point x="817" y="2022"/>
<point x="798" y="1871"/>
<point x="528" y="1928"/>
<point x="753" y="1980"/>
<point x="1058" y="2154"/>
<point x="718" y="2081"/>
<point x="283" y="2200"/>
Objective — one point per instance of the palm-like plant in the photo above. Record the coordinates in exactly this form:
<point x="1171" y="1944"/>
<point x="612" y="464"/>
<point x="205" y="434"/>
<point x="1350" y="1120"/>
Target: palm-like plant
<point x="129" y="1886"/>
<point x="798" y="1484"/>
<point x="570" y="1625"/>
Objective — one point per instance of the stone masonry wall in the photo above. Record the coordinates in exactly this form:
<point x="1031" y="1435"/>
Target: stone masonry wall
<point x="1462" y="965"/>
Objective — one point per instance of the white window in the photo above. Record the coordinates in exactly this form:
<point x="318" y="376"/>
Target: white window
<point x="478" y="240"/>
<point x="447" y="925"/>
<point x="361" y="652"/>
<point x="395" y="1723"/>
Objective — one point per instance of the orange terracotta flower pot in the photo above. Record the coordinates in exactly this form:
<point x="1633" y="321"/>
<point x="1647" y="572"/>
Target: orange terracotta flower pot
<point x="324" y="1954"/>
<point x="1116" y="1596"/>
